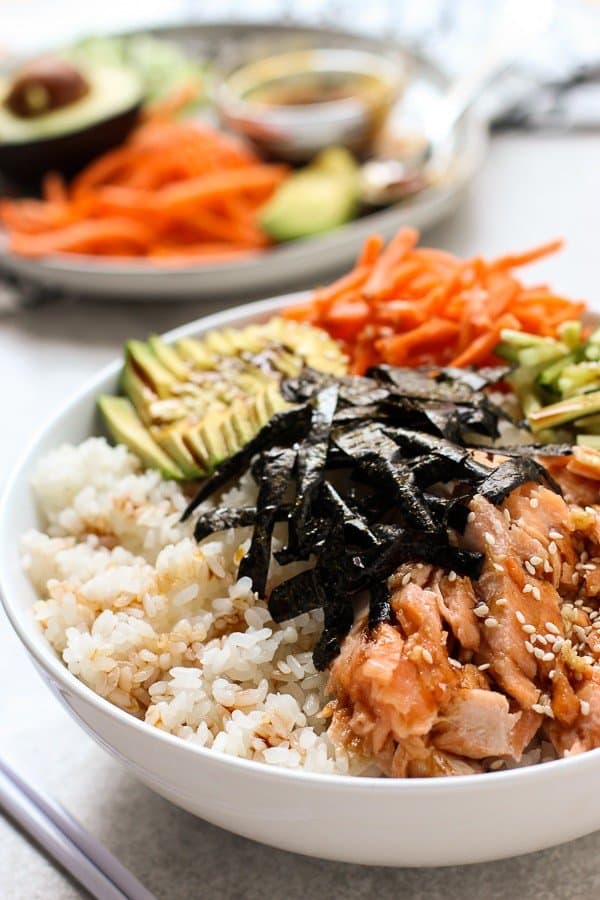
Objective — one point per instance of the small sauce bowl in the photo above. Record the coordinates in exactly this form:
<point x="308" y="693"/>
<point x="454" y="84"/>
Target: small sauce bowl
<point x="292" y="105"/>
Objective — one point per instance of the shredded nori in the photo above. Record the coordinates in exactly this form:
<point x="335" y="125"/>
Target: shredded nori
<point x="369" y="473"/>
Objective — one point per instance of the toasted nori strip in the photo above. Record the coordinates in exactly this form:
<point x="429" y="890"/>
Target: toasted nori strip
<point x="274" y="481"/>
<point x="310" y="466"/>
<point x="512" y="474"/>
<point x="373" y="452"/>
<point x="282" y="427"/>
<point x="535" y="450"/>
<point x="477" y="379"/>
<point x="297" y="595"/>
<point x="224" y="517"/>
<point x="418" y="384"/>
<point x="356" y="528"/>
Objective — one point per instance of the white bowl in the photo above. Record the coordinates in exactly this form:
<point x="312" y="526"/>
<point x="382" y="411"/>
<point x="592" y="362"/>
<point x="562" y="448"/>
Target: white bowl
<point x="419" y="822"/>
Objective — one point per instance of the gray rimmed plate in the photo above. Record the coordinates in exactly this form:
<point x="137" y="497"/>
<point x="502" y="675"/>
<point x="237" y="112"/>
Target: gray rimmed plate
<point x="299" y="263"/>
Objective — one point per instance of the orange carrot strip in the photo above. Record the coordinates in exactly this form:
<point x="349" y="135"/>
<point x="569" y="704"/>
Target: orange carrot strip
<point x="381" y="279"/>
<point x="370" y="251"/>
<point x="510" y="261"/>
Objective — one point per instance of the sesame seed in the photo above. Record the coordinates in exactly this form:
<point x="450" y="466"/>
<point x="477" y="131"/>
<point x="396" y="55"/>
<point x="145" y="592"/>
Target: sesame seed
<point x="527" y="589"/>
<point x="498" y="567"/>
<point x="552" y="548"/>
<point x="489" y="538"/>
<point x="557" y="644"/>
<point x="496" y="764"/>
<point x="588" y="660"/>
<point x="552" y="627"/>
<point x="588" y="567"/>
<point x="491" y="622"/>
<point x="551" y="674"/>
<point x="536" y="560"/>
<point x="520" y="617"/>
<point x="541" y="639"/>
<point x="555" y="535"/>
<point x="536" y="593"/>
<point x="547" y="566"/>
<point x="548" y="657"/>
<point x="538" y="708"/>
<point x="539" y="654"/>
<point x="452" y="575"/>
<point x="454" y="663"/>
<point x="575" y="578"/>
<point x="506" y="515"/>
<point x="482" y="611"/>
<point x="427" y="656"/>
<point x="529" y="567"/>
<point x="406" y="579"/>
<point x="534" y="502"/>
<point x="528" y="629"/>
<point x="529" y="646"/>
<point x="471" y="517"/>
<point x="483" y="667"/>
<point x="501" y="601"/>
<point x="584" y="706"/>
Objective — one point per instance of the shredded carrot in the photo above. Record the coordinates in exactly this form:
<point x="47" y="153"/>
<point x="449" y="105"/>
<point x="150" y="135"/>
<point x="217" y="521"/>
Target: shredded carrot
<point x="175" y="190"/>
<point x="408" y="305"/>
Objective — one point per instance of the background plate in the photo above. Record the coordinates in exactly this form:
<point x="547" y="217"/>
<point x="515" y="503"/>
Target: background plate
<point x="300" y="263"/>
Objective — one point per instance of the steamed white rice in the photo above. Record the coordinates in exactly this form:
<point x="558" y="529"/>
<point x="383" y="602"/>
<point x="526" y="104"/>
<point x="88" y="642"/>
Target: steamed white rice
<point x="160" y="625"/>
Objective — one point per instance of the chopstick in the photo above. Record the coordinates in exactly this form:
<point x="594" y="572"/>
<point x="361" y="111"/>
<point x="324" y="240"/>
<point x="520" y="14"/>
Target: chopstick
<point x="87" y="860"/>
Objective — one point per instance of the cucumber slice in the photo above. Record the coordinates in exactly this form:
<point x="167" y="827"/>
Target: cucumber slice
<point x="564" y="411"/>
<point x="550" y="375"/>
<point x="570" y="334"/>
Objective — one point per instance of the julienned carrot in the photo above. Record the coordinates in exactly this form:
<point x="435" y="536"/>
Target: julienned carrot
<point x="379" y="280"/>
<point x="176" y="190"/>
<point x="409" y="305"/>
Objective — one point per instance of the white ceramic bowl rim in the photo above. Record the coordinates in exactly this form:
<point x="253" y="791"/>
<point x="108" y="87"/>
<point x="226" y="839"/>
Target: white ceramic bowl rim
<point x="45" y="657"/>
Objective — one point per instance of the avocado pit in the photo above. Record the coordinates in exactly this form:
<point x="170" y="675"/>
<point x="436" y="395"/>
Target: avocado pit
<point x="45" y="85"/>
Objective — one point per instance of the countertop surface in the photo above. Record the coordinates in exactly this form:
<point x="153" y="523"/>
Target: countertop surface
<point x="532" y="188"/>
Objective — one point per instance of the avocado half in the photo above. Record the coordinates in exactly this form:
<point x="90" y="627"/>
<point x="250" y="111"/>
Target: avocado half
<point x="65" y="139"/>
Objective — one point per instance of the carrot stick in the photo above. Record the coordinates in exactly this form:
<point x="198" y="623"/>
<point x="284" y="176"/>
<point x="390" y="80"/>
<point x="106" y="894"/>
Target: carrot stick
<point x="511" y="261"/>
<point x="381" y="278"/>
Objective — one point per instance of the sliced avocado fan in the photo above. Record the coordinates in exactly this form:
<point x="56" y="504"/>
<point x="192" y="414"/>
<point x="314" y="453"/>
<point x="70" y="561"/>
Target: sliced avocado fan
<point x="190" y="405"/>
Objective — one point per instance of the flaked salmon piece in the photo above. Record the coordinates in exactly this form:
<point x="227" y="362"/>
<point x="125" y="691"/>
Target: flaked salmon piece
<point x="564" y="702"/>
<point x="530" y="605"/>
<point x="478" y="724"/>
<point x="584" y="734"/>
<point x="578" y="475"/>
<point x="456" y="601"/>
<point x="455" y="598"/>
<point x="469" y="677"/>
<point x="396" y="679"/>
<point x="585" y="462"/>
<point x="415" y="758"/>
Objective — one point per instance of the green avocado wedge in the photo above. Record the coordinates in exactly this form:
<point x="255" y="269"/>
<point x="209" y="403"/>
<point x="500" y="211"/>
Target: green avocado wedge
<point x="127" y="428"/>
<point x="318" y="198"/>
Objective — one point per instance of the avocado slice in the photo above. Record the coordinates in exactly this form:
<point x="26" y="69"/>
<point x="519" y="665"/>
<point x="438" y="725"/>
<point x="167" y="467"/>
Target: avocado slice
<point x="318" y="198"/>
<point x="171" y="439"/>
<point x="168" y="357"/>
<point x="138" y="392"/>
<point x="199" y="401"/>
<point x="160" y="379"/>
<point x="127" y="428"/>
